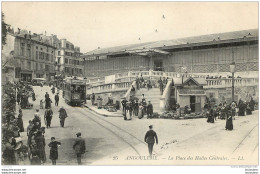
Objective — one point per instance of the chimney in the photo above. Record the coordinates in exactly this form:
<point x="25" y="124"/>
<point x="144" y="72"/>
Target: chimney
<point x="19" y="30"/>
<point x="25" y="36"/>
<point x="29" y="32"/>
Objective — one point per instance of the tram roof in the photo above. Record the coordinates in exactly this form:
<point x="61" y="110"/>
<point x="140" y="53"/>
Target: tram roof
<point x="210" y="38"/>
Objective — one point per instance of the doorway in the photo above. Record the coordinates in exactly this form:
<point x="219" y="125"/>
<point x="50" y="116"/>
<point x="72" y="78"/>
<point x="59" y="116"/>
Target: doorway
<point x="192" y="103"/>
<point x="158" y="65"/>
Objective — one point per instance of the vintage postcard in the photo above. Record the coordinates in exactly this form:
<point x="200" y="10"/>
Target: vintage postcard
<point x="130" y="83"/>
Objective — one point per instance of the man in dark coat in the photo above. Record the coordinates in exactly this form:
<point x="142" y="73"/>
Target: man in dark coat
<point x="56" y="99"/>
<point x="47" y="95"/>
<point x="242" y="108"/>
<point x="93" y="98"/>
<point x="149" y="110"/>
<point x="48" y="117"/>
<point x="48" y="103"/>
<point x="150" y="138"/>
<point x="63" y="115"/>
<point x="252" y="104"/>
<point x="79" y="147"/>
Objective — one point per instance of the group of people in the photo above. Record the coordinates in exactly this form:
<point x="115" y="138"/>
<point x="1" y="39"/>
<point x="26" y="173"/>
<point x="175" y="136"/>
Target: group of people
<point x="35" y="147"/>
<point x="135" y="108"/>
<point x="22" y="97"/>
<point x="141" y="83"/>
<point x="228" y="111"/>
<point x="162" y="83"/>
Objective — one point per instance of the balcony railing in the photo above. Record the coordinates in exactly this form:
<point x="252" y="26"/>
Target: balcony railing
<point x="124" y="80"/>
<point x="224" y="83"/>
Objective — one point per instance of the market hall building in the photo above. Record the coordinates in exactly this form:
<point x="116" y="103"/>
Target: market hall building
<point x="200" y="54"/>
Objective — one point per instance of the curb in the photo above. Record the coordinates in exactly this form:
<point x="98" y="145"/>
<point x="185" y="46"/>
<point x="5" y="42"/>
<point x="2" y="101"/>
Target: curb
<point x="105" y="115"/>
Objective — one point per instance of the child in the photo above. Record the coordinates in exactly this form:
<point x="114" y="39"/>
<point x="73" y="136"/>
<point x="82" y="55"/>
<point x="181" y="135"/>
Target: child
<point x="54" y="150"/>
<point x="41" y="104"/>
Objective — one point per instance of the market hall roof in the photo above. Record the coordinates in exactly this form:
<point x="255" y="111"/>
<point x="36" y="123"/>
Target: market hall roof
<point x="217" y="37"/>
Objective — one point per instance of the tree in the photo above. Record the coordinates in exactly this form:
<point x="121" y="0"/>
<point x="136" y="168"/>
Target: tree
<point x="4" y="30"/>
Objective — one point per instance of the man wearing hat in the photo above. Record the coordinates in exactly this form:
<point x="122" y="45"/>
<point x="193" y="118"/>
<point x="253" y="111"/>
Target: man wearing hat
<point x="149" y="110"/>
<point x="149" y="139"/>
<point x="79" y="147"/>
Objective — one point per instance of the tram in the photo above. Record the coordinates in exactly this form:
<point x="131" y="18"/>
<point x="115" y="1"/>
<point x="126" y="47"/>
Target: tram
<point x="74" y="91"/>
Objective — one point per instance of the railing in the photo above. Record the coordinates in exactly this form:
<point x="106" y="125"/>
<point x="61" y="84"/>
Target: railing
<point x="128" y="93"/>
<point x="124" y="80"/>
<point x="165" y="98"/>
<point x="106" y="88"/>
<point x="224" y="83"/>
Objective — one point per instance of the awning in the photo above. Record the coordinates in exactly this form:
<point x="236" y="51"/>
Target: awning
<point x="191" y="92"/>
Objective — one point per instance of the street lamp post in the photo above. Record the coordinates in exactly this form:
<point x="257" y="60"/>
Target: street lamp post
<point x="232" y="70"/>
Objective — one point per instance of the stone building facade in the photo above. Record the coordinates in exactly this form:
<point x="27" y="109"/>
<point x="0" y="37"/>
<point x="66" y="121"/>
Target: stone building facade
<point x="68" y="61"/>
<point x="200" y="54"/>
<point x="33" y="55"/>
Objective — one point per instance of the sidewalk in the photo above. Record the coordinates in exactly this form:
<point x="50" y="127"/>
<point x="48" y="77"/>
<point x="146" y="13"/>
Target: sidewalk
<point x="103" y="112"/>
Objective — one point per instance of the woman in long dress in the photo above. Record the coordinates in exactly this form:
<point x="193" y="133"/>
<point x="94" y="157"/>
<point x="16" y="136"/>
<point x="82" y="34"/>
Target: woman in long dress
<point x="229" y="121"/>
<point x="54" y="150"/>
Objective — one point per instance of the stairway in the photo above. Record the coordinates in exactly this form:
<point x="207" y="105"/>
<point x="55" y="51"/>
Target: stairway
<point x="152" y="95"/>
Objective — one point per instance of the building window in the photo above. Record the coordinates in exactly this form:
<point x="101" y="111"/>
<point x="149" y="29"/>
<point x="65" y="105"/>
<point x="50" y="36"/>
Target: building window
<point x="67" y="46"/>
<point x="41" y="66"/>
<point x="37" y="68"/>
<point x="47" y="57"/>
<point x="47" y="68"/>
<point x="28" y="50"/>
<point x="37" y="55"/>
<point x="36" y="47"/>
<point x="58" y="53"/>
<point x="29" y="65"/>
<point x="66" y="61"/>
<point x="22" y="49"/>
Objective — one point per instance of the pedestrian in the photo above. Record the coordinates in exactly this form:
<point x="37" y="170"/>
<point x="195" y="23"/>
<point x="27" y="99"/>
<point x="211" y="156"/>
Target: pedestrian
<point x="93" y="99"/>
<point x="137" y="83"/>
<point x="79" y="147"/>
<point x="8" y="154"/>
<point x="54" y="150"/>
<point x="252" y="104"/>
<point x="48" y="103"/>
<point x="229" y="121"/>
<point x="99" y="101"/>
<point x="123" y="102"/>
<point x="41" y="104"/>
<point x="63" y="115"/>
<point x="150" y="138"/>
<point x="29" y="127"/>
<point x="242" y="108"/>
<point x="37" y="118"/>
<point x="149" y="110"/>
<point x="48" y="117"/>
<point x="18" y="97"/>
<point x="41" y="86"/>
<point x="47" y="95"/>
<point x="136" y="107"/>
<point x="33" y="96"/>
<point x="56" y="99"/>
<point x="35" y="160"/>
<point x="20" y="121"/>
<point x="53" y="90"/>
<point x="40" y="143"/>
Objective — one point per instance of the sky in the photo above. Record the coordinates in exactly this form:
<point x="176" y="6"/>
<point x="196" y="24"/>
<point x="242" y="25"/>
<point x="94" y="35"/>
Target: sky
<point x="90" y="25"/>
